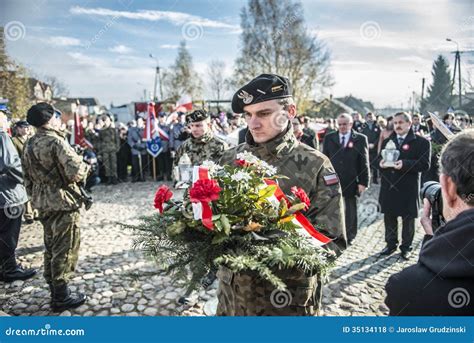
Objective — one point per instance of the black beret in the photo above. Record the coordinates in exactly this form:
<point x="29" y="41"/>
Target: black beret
<point x="198" y="115"/>
<point x="22" y="123"/>
<point x="263" y="88"/>
<point x="40" y="114"/>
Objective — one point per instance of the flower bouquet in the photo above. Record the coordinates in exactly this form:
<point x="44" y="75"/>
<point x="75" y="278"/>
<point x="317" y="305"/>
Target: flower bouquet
<point x="236" y="216"/>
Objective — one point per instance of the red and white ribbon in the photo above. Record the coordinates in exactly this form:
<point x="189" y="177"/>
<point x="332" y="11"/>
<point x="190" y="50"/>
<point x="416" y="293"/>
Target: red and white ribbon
<point x="306" y="228"/>
<point x="202" y="211"/>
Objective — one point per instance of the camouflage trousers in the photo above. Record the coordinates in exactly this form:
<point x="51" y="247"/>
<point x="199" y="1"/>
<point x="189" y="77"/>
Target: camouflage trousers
<point x="30" y="213"/>
<point x="109" y="159"/>
<point x="245" y="294"/>
<point x="62" y="241"/>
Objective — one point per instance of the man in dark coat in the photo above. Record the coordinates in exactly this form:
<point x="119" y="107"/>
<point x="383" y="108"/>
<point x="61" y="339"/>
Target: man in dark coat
<point x="349" y="154"/>
<point x="442" y="282"/>
<point x="371" y="129"/>
<point x="399" y="192"/>
<point x="417" y="126"/>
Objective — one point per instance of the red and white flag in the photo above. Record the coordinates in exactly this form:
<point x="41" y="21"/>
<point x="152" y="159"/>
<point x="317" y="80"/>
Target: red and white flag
<point x="77" y="136"/>
<point x="306" y="228"/>
<point x="202" y="211"/>
<point x="184" y="104"/>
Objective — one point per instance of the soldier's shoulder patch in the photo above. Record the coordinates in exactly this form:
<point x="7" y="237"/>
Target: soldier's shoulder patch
<point x="331" y="179"/>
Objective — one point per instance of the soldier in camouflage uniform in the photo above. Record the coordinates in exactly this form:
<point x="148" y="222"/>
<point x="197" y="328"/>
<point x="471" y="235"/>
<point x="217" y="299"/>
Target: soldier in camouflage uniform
<point x="109" y="145"/>
<point x="268" y="107"/>
<point x="52" y="170"/>
<point x="202" y="145"/>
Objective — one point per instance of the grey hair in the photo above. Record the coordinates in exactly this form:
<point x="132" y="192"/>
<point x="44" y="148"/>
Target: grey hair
<point x="346" y="116"/>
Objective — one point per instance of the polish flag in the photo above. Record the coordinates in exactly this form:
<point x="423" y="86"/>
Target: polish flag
<point x="184" y="104"/>
<point x="77" y="136"/>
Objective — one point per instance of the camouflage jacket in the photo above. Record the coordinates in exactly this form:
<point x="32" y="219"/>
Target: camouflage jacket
<point x="51" y="169"/>
<point x="19" y="143"/>
<point x="306" y="168"/>
<point x="92" y="137"/>
<point x="208" y="147"/>
<point x="109" y="140"/>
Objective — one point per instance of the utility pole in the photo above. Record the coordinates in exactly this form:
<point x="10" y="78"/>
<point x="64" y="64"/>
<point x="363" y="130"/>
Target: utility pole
<point x="422" y="88"/>
<point x="157" y="79"/>
<point x="457" y="68"/>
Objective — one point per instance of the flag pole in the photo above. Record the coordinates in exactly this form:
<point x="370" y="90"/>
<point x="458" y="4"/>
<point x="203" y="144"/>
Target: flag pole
<point x="154" y="169"/>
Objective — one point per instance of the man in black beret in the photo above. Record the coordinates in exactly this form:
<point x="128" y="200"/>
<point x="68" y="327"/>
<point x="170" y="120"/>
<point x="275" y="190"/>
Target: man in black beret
<point x="269" y="108"/>
<point x="203" y="144"/>
<point x="52" y="170"/>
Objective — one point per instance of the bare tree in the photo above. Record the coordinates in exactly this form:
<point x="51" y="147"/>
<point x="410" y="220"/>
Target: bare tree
<point x="275" y="40"/>
<point x="57" y="87"/>
<point x="216" y="80"/>
<point x="181" y="78"/>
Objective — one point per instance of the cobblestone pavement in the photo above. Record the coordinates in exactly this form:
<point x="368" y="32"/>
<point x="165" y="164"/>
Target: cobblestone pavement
<point x="120" y="281"/>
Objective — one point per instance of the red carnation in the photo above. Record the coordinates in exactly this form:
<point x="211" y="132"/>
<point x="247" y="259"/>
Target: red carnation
<point x="204" y="190"/>
<point x="162" y="195"/>
<point x="301" y="194"/>
<point x="241" y="163"/>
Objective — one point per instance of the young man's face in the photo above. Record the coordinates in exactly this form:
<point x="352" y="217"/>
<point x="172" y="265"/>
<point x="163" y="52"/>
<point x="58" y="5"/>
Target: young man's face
<point x="198" y="129"/>
<point x="266" y="120"/>
<point x="107" y="121"/>
<point x="296" y="126"/>
<point x="23" y="131"/>
<point x="401" y="126"/>
<point x="416" y="121"/>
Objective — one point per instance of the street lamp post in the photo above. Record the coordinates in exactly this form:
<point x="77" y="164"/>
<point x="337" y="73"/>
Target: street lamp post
<point x="457" y="67"/>
<point x="157" y="79"/>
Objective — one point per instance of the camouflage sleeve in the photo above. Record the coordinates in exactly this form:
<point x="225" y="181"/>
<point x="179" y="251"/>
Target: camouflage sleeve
<point x="74" y="169"/>
<point x="328" y="207"/>
<point x="117" y="141"/>
<point x="219" y="151"/>
<point x="178" y="154"/>
<point x="25" y="163"/>
<point x="227" y="157"/>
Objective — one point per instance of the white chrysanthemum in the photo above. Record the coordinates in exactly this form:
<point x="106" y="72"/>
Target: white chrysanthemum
<point x="269" y="170"/>
<point x="241" y="175"/>
<point x="211" y="166"/>
<point x="247" y="157"/>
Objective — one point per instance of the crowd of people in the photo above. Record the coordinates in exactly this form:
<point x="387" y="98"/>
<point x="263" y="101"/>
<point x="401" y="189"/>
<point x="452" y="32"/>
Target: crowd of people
<point x="339" y="157"/>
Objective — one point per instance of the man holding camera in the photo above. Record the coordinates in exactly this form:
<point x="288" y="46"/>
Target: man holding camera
<point x="52" y="171"/>
<point x="400" y="187"/>
<point x="442" y="282"/>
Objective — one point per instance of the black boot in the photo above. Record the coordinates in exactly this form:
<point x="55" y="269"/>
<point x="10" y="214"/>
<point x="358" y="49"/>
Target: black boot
<point x="16" y="272"/>
<point x="115" y="181"/>
<point x="62" y="299"/>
